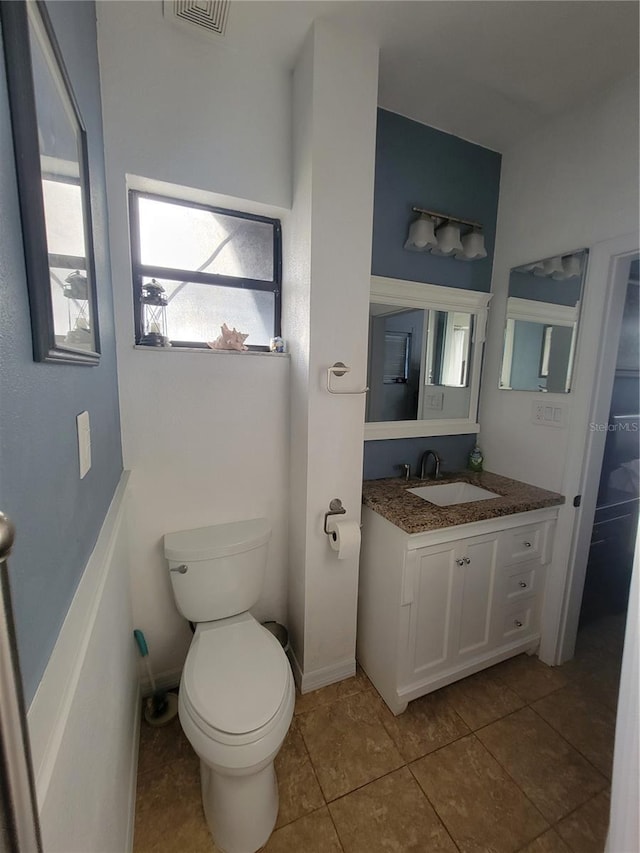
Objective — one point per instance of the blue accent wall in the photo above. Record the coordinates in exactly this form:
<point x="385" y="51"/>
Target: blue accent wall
<point x="381" y="458"/>
<point x="57" y="515"/>
<point x="418" y="165"/>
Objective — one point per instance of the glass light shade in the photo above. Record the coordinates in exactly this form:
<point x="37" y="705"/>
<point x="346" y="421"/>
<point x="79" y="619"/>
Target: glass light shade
<point x="553" y="267"/>
<point x="572" y="266"/>
<point x="472" y="247"/>
<point x="448" y="239"/>
<point x="421" y="235"/>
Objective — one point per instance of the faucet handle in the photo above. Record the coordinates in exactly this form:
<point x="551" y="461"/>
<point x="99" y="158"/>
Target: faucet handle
<point x="405" y="468"/>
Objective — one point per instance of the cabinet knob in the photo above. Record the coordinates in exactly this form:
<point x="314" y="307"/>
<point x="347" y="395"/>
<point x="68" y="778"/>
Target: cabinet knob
<point x="467" y="561"/>
<point x="517" y="623"/>
<point x="527" y="544"/>
<point x="460" y="562"/>
<point x="523" y="585"/>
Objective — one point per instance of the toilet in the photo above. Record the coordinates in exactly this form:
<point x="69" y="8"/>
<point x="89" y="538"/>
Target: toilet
<point x="236" y="692"/>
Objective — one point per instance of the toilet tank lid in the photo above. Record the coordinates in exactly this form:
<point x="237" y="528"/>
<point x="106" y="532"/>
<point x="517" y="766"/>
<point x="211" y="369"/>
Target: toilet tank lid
<point x="218" y="540"/>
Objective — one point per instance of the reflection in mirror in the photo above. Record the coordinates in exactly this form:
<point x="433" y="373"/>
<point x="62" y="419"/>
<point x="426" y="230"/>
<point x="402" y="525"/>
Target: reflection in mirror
<point x="62" y="193"/>
<point x="413" y="353"/>
<point x="543" y="310"/>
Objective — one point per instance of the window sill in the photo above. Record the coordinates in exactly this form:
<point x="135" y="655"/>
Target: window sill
<point x="209" y="351"/>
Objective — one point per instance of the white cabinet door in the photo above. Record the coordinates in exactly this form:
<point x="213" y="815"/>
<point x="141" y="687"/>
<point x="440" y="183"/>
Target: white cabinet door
<point x="433" y="594"/>
<point x="477" y="567"/>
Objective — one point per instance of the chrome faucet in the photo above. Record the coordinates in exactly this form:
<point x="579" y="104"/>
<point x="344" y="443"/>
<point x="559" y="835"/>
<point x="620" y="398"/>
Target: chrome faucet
<point x="423" y="464"/>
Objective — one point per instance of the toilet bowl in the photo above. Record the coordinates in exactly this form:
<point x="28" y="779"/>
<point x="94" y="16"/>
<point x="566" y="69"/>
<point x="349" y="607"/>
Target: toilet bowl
<point x="237" y="692"/>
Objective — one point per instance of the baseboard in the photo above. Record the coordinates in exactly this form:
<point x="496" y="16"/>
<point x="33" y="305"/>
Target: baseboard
<point x="317" y="678"/>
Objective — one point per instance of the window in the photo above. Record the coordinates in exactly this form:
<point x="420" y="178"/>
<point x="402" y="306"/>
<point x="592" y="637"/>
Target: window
<point x="216" y="266"/>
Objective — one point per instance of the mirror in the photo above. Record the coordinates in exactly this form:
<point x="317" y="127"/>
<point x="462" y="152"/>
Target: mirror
<point x="543" y="310"/>
<point x="423" y="364"/>
<point x="53" y="182"/>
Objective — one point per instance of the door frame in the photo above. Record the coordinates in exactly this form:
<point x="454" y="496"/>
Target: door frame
<point x="601" y="320"/>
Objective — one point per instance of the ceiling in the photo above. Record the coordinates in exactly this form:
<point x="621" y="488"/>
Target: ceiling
<point x="487" y="70"/>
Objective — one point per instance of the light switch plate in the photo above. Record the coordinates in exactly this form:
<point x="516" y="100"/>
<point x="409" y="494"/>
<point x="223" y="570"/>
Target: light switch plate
<point x="84" y="443"/>
<point x="434" y="401"/>
<point x="546" y="413"/>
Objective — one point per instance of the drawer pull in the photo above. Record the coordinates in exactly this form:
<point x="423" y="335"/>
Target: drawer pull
<point x="467" y="561"/>
<point x="460" y="562"/>
<point x="527" y="544"/>
<point x="517" y="623"/>
<point x="523" y="585"/>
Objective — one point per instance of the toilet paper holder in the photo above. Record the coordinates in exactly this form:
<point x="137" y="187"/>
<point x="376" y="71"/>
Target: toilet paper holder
<point x="335" y="508"/>
<point x="339" y="369"/>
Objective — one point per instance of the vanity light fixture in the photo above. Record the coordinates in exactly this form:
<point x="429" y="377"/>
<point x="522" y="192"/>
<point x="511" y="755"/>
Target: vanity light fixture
<point x="559" y="267"/>
<point x="445" y="235"/>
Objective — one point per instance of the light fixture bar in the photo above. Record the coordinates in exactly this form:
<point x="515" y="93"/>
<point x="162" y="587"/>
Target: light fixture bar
<point x="446" y="218"/>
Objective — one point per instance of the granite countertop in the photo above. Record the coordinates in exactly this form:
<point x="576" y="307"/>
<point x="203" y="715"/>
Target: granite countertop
<point x="390" y="499"/>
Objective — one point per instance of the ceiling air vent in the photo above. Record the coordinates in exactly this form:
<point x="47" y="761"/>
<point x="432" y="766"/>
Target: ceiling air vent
<point x="209" y="16"/>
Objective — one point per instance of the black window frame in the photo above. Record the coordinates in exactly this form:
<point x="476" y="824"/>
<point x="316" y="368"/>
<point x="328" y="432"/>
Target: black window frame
<point x="141" y="271"/>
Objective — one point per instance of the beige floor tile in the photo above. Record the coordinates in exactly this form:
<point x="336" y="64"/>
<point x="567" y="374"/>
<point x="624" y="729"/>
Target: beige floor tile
<point x="482" y="808"/>
<point x="555" y="777"/>
<point x="585" y="830"/>
<point x="160" y="745"/>
<point x="548" y="842"/>
<point x="348" y="744"/>
<point x="390" y="814"/>
<point x="332" y="693"/>
<point x="314" y="833"/>
<point x="597" y="671"/>
<point x="481" y="699"/>
<point x="297" y="784"/>
<point x="606" y="632"/>
<point x="529" y="677"/>
<point x="584" y="722"/>
<point x="169" y="816"/>
<point x="428" y="723"/>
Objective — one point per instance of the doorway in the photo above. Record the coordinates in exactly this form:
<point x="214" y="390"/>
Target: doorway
<point x="610" y="559"/>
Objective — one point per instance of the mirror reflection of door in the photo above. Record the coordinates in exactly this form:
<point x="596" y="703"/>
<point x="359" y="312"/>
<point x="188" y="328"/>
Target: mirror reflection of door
<point x="418" y="363"/>
<point x="395" y="349"/>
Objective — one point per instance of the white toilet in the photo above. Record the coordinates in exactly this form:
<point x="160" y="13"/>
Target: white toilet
<point x="236" y="692"/>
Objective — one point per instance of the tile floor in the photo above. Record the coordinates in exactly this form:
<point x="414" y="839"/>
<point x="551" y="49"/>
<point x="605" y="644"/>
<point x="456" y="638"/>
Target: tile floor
<point x="515" y="758"/>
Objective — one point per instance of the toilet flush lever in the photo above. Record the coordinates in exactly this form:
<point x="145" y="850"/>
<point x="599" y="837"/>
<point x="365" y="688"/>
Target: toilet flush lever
<point x="180" y="569"/>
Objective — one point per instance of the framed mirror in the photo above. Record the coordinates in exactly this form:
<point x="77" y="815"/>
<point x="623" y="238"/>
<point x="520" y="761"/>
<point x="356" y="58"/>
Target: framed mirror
<point x="50" y="147"/>
<point x="425" y="351"/>
<point x="541" y="331"/>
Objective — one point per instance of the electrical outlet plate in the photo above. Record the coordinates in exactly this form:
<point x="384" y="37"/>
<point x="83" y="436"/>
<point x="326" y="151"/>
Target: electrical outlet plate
<point x="84" y="443"/>
<point x="547" y="413"/>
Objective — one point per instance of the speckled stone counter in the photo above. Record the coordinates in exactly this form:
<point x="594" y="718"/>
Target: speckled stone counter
<point x="390" y="498"/>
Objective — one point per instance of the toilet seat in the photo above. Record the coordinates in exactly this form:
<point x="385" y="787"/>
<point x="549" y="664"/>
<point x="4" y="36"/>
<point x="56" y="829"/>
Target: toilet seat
<point x="235" y="681"/>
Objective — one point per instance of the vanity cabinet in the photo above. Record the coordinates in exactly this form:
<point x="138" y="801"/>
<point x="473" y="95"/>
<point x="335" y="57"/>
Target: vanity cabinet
<point x="437" y="606"/>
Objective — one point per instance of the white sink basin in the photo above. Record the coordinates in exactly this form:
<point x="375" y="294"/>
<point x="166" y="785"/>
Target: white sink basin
<point x="447" y="494"/>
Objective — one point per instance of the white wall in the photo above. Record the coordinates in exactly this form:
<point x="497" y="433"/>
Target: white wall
<point x="205" y="434"/>
<point x="568" y="186"/>
<point x="572" y="185"/>
<point x="181" y="108"/>
<point x="326" y="316"/>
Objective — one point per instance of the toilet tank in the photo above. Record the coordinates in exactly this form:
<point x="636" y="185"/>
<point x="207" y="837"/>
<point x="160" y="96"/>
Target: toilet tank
<point x="217" y="571"/>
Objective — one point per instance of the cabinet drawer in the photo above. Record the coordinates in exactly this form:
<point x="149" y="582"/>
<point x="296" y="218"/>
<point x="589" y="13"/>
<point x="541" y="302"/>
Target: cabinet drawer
<point x="522" y="543"/>
<point x="518" y="620"/>
<point x="519" y="582"/>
